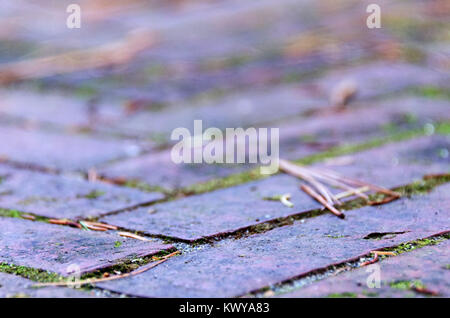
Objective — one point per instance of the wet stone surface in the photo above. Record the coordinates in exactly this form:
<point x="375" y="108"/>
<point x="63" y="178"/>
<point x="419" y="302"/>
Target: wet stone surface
<point x="427" y="267"/>
<point x="236" y="267"/>
<point x="12" y="286"/>
<point x="60" y="248"/>
<point x="234" y="208"/>
<point x="65" y="197"/>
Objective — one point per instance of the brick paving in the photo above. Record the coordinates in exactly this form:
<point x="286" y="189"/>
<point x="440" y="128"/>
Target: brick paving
<point x="431" y="272"/>
<point x="65" y="197"/>
<point x="236" y="267"/>
<point x="234" y="208"/>
<point x="95" y="144"/>
<point x="55" y="248"/>
<point x="17" y="287"/>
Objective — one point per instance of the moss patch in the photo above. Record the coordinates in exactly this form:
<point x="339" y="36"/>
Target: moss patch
<point x="406" y="284"/>
<point x="433" y="92"/>
<point x="146" y="187"/>
<point x="94" y="194"/>
<point x="18" y="214"/>
<point x="342" y="295"/>
<point x="409" y="246"/>
<point x="225" y="182"/>
<point x="34" y="274"/>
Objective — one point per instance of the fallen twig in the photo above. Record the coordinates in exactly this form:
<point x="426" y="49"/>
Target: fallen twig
<point x="64" y="222"/>
<point x="102" y="225"/>
<point x="134" y="236"/>
<point x="350" y="193"/>
<point x="425" y="291"/>
<point x="320" y="179"/>
<point x="104" y="279"/>
<point x="322" y="201"/>
<point x="384" y="253"/>
<point x="374" y="260"/>
<point x="89" y="226"/>
<point x="384" y="201"/>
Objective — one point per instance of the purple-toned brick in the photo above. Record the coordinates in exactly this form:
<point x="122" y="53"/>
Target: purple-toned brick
<point x="428" y="266"/>
<point x="65" y="197"/>
<point x="12" y="286"/>
<point x="55" y="248"/>
<point x="234" y="208"/>
<point x="234" y="267"/>
<point x="63" y="151"/>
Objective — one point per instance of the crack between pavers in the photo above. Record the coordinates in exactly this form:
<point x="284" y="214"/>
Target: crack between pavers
<point x="427" y="184"/>
<point x="435" y="181"/>
<point x="308" y="278"/>
<point x="125" y="265"/>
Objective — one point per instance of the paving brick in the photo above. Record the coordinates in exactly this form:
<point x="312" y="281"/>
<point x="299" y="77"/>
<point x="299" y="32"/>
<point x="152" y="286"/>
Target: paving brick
<point x="396" y="164"/>
<point x="64" y="151"/>
<point x="236" y="267"/>
<point x="54" y="108"/>
<point x="54" y="248"/>
<point x="217" y="212"/>
<point x="234" y="208"/>
<point x="298" y="138"/>
<point x="14" y="286"/>
<point x="360" y="122"/>
<point x="245" y="109"/>
<point x="380" y="78"/>
<point x="159" y="169"/>
<point x="428" y="265"/>
<point x="65" y="197"/>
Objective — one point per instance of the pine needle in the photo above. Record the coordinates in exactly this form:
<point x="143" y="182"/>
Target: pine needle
<point x="320" y="180"/>
<point x="104" y="279"/>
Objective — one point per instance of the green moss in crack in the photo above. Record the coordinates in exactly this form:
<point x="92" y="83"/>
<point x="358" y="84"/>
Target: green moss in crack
<point x="443" y="128"/>
<point x="424" y="186"/>
<point x="409" y="246"/>
<point x="94" y="194"/>
<point x="225" y="182"/>
<point x="126" y="265"/>
<point x="343" y="295"/>
<point x="254" y="174"/>
<point x="370" y="294"/>
<point x="406" y="284"/>
<point x="34" y="274"/>
<point x="10" y="213"/>
<point x="433" y="92"/>
<point x="19" y="214"/>
<point x="146" y="187"/>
